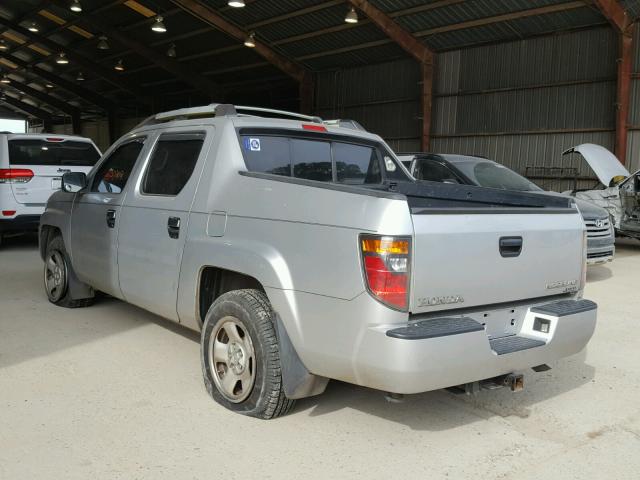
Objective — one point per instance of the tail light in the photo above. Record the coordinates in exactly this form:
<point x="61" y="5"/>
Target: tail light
<point x="15" y="175"/>
<point x="386" y="262"/>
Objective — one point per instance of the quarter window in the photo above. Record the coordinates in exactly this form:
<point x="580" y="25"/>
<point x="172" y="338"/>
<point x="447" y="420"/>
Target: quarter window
<point x="114" y="172"/>
<point x="356" y="164"/>
<point x="172" y="163"/>
<point x="318" y="159"/>
<point x="311" y="160"/>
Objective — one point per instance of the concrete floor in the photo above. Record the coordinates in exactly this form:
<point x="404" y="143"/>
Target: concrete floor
<point x="115" y="392"/>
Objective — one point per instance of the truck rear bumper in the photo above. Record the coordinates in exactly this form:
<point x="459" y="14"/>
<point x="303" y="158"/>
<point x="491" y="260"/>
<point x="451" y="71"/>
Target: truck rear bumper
<point x="423" y="357"/>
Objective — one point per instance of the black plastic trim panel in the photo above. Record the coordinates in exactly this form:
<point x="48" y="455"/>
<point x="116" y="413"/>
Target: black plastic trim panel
<point x="566" y="307"/>
<point x="513" y="343"/>
<point x="436" y="327"/>
<point x="20" y="223"/>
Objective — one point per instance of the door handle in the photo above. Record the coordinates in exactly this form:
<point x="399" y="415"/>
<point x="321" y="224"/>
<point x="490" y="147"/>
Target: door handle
<point x="111" y="218"/>
<point x="173" y="227"/>
<point x="510" y="246"/>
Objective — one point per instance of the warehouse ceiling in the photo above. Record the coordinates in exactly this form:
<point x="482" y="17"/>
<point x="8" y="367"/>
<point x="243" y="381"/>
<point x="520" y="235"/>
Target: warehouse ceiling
<point x="115" y="58"/>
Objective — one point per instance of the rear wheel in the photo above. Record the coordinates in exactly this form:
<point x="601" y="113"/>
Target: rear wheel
<point x="57" y="270"/>
<point x="240" y="355"/>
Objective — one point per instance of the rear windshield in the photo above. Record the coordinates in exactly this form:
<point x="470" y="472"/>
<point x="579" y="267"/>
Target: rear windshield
<point x="43" y="152"/>
<point x="318" y="159"/>
<point x="494" y="175"/>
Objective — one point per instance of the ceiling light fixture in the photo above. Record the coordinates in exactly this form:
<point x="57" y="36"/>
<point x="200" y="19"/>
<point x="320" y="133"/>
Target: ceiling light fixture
<point x="102" y="43"/>
<point x="3" y="45"/>
<point x="62" y="59"/>
<point x="171" y="52"/>
<point x="158" y="26"/>
<point x="34" y="27"/>
<point x="48" y="85"/>
<point x="250" y="41"/>
<point x="119" y="66"/>
<point x="352" y="16"/>
<point x="236" y="3"/>
<point x="5" y="79"/>
<point x="80" y="77"/>
<point x="75" y="6"/>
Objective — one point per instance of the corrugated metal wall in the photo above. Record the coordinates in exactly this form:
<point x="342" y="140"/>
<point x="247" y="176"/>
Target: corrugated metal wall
<point x="383" y="97"/>
<point x="633" y="150"/>
<point x="521" y="103"/>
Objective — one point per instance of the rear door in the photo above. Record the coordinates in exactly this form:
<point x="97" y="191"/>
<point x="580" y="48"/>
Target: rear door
<point x="154" y="220"/>
<point x="48" y="158"/>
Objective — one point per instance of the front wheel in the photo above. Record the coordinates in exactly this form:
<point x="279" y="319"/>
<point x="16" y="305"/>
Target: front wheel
<point x="241" y="357"/>
<point x="57" y="270"/>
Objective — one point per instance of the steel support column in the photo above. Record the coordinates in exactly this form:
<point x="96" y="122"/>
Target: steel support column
<point x="625" y="71"/>
<point x="427" y="101"/>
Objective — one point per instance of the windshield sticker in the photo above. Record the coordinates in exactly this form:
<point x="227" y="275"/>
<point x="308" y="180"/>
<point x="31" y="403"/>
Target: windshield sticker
<point x="252" y="144"/>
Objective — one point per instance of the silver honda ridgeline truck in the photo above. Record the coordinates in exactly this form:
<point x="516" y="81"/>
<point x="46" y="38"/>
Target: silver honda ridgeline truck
<point x="305" y="252"/>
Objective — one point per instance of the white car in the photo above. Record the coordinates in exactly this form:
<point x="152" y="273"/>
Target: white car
<point x="31" y="169"/>
<point x="619" y="192"/>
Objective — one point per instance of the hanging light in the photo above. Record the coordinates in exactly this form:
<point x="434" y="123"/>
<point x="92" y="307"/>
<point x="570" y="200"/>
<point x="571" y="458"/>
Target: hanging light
<point x="171" y="52"/>
<point x="34" y="27"/>
<point x="250" y="41"/>
<point x="119" y="66"/>
<point x="3" y="45"/>
<point x="62" y="59"/>
<point x="102" y="43"/>
<point x="5" y="79"/>
<point x="236" y="3"/>
<point x="80" y="77"/>
<point x="158" y="26"/>
<point x="352" y="16"/>
<point x="75" y="6"/>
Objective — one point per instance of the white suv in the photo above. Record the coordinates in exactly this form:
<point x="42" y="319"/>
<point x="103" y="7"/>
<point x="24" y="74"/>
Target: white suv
<point x="31" y="169"/>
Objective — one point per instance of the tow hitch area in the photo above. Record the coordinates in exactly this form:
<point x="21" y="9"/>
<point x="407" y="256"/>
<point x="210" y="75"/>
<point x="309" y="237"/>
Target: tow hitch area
<point x="515" y="382"/>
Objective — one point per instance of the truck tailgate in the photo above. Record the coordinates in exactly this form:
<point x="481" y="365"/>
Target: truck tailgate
<point x="457" y="258"/>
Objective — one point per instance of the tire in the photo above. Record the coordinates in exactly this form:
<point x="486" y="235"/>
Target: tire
<point x="239" y="330"/>
<point x="57" y="270"/>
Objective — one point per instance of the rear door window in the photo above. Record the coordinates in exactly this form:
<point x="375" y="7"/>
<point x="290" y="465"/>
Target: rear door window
<point x="114" y="172"/>
<point x="52" y="153"/>
<point x="172" y="163"/>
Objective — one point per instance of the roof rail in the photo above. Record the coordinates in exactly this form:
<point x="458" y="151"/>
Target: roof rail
<point x="283" y="113"/>
<point x="217" y="110"/>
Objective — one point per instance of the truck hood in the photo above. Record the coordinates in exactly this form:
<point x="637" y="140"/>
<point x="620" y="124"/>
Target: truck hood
<point x="604" y="163"/>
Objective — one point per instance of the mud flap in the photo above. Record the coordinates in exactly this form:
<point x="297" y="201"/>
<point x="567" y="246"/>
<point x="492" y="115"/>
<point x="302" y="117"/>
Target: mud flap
<point x="298" y="381"/>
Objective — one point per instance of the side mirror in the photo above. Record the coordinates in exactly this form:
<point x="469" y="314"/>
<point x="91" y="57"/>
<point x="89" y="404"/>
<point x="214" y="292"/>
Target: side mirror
<point x="73" y="182"/>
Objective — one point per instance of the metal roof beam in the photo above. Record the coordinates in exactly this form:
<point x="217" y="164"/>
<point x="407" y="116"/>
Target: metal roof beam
<point x="182" y="72"/>
<point x="29" y="109"/>
<point x="85" y="62"/>
<point x="45" y="98"/>
<point x="88" y="95"/>
<point x="615" y="13"/>
<point x="210" y="16"/>
<point x="395" y="31"/>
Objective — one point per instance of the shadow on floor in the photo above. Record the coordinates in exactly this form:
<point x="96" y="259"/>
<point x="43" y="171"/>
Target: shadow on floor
<point x="442" y="410"/>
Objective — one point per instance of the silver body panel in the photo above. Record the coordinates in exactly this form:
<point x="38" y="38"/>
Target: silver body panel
<point x="300" y="241"/>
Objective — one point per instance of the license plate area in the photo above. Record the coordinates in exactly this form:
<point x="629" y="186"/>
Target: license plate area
<point x="501" y="322"/>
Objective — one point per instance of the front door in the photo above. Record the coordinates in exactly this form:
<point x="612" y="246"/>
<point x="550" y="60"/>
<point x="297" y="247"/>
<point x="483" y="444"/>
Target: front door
<point x="155" y="216"/>
<point x="96" y="215"/>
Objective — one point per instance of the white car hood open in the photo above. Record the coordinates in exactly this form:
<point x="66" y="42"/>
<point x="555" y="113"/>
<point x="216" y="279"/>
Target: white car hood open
<point x="604" y="163"/>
